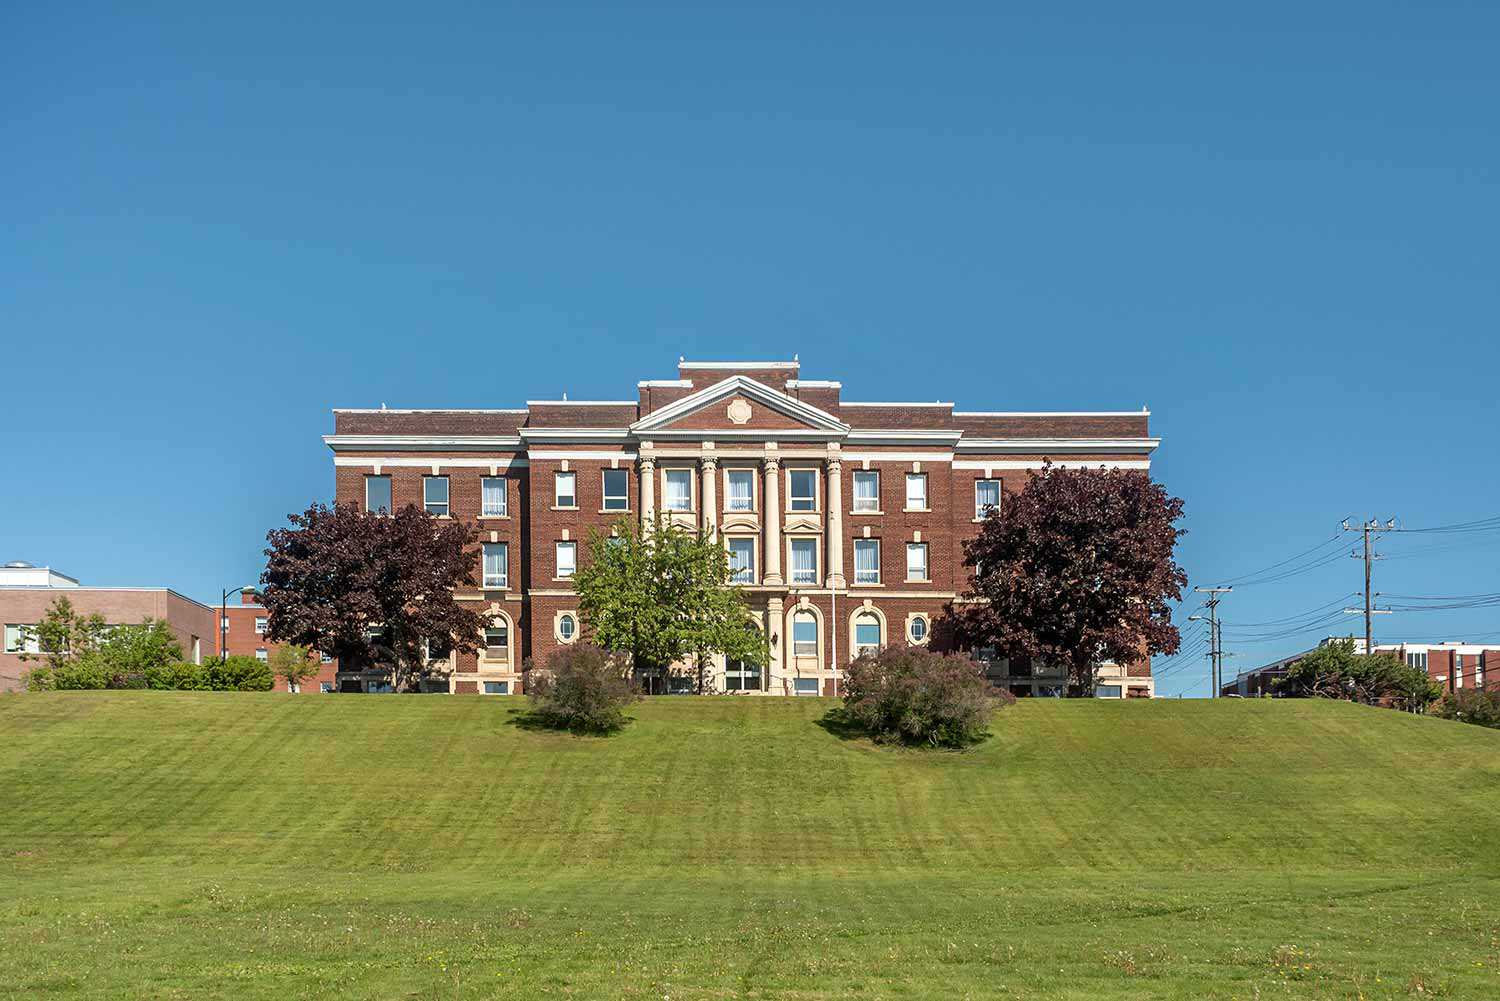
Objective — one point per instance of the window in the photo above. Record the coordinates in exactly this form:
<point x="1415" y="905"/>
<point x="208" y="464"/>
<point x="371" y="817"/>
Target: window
<point x="565" y="489"/>
<point x="378" y="494"/>
<point x="804" y="561"/>
<point x="496" y="640"/>
<point x="805" y="686"/>
<point x="1417" y="660"/>
<point x="325" y="687"/>
<point x="742" y="561"/>
<point x="492" y="503"/>
<point x="867" y="490"/>
<point x="741" y="495"/>
<point x="867" y="561"/>
<point x="916" y="629"/>
<point x="20" y="639"/>
<point x="804" y="490"/>
<point x="986" y="498"/>
<point x="323" y="658"/>
<point x="261" y="654"/>
<point x="616" y="490"/>
<point x="1107" y="692"/>
<point x="435" y="494"/>
<point x="866" y="633"/>
<point x="567" y="558"/>
<point x="260" y="625"/>
<point x="804" y="635"/>
<point x="916" y="561"/>
<point x="567" y="627"/>
<point x="496" y="564"/>
<point x="741" y="676"/>
<point x="497" y="688"/>
<point x="679" y="492"/>
<point x="916" y="491"/>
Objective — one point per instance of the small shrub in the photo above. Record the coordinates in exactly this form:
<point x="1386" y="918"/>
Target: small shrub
<point x="914" y="696"/>
<point x="133" y="680"/>
<point x="583" y="689"/>
<point x="179" y="676"/>
<point x="1470" y="705"/>
<point x="239" y="674"/>
<point x="89" y="673"/>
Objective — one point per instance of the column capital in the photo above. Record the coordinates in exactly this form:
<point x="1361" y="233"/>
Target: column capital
<point x="710" y="463"/>
<point x="835" y="465"/>
<point x="773" y="463"/>
<point x="648" y="462"/>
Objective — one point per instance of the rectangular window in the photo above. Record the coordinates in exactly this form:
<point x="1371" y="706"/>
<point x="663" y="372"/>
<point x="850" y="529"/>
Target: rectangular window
<point x="867" y="561"/>
<point x="435" y="494"/>
<point x="497" y="688"/>
<point x="261" y="654"/>
<point x="805" y="686"/>
<point x="804" y="561"/>
<point x="496" y="564"/>
<point x="742" y="561"/>
<point x="867" y="490"/>
<point x="803" y="495"/>
<point x="378" y="494"/>
<point x="741" y="490"/>
<point x="679" y="491"/>
<point x="20" y="639"/>
<point x="916" y="491"/>
<point x="804" y="635"/>
<point x="866" y="634"/>
<point x="740" y="676"/>
<point x="325" y="687"/>
<point x="565" y="489"/>
<point x="496" y="640"/>
<point x="916" y="561"/>
<point x="567" y="558"/>
<point x="260" y="625"/>
<point x="1107" y="692"/>
<point x="986" y="497"/>
<point x="493" y="503"/>
<point x="616" y="490"/>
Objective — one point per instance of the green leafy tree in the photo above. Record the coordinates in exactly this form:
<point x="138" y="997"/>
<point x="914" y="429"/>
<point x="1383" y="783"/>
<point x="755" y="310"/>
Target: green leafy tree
<point x="100" y="656"/>
<point x="294" y="664"/>
<point x="63" y="634"/>
<point x="1335" y="671"/>
<point x="664" y="597"/>
<point x="583" y="689"/>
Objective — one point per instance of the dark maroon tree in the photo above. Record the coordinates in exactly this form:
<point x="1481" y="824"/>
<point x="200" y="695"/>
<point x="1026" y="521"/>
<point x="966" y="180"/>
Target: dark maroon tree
<point x="375" y="591"/>
<point x="1076" y="569"/>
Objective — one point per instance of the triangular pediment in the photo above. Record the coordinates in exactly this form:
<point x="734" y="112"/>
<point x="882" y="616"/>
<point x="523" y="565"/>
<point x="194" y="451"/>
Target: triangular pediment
<point x="740" y="405"/>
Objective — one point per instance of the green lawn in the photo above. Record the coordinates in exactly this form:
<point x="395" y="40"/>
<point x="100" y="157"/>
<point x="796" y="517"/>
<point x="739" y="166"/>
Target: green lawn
<point x="191" y="845"/>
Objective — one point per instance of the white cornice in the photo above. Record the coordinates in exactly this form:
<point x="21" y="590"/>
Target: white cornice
<point x="555" y="435"/>
<point x="734" y="366"/>
<point x="1050" y="413"/>
<point x="665" y="384"/>
<point x="898" y="436"/>
<point x="582" y="403"/>
<point x="424" y="461"/>
<point x="423" y="410"/>
<point x="992" y="464"/>
<point x="422" y="442"/>
<point x="813" y="384"/>
<point x="861" y="403"/>
<point x="742" y="434"/>
<point x="1057" y="446"/>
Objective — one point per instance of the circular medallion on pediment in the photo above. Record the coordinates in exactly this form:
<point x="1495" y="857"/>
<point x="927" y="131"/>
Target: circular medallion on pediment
<point x="739" y="412"/>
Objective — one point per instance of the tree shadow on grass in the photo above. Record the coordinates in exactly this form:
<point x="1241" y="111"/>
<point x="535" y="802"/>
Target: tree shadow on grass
<point x="839" y="722"/>
<point x="842" y="725"/>
<point x="535" y="722"/>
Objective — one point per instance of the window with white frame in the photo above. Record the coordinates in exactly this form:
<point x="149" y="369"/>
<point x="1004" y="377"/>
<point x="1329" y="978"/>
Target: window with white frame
<point x="986" y="498"/>
<point x="803" y="491"/>
<point x="916" y="491"/>
<point x="496" y="565"/>
<point x="866" y="633"/>
<point x="867" y="561"/>
<point x="260" y="625"/>
<point x="21" y="637"/>
<point x="916" y="628"/>
<point x="804" y="561"/>
<point x="678" y="494"/>
<point x="804" y="686"/>
<point x="435" y="494"/>
<point x="616" y="490"/>
<point x="565" y="489"/>
<point x="262" y="654"/>
<point x="567" y="627"/>
<point x="741" y="676"/>
<point x="493" y="503"/>
<point x="497" y="640"/>
<point x="916" y="561"/>
<point x="804" y="635"/>
<point x="567" y="559"/>
<point x="497" y="688"/>
<point x="740" y="495"/>
<point x="1417" y="660"/>
<point x="378" y="494"/>
<point x="866" y="490"/>
<point x="324" y="658"/>
<point x="741" y="560"/>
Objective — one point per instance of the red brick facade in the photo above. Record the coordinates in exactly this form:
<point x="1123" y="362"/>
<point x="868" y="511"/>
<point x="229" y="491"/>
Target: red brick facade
<point x="713" y="427"/>
<point x="243" y="635"/>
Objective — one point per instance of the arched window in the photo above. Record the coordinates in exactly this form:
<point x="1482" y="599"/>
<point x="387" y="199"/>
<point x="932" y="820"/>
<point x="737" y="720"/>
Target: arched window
<point x="866" y="633"/>
<point x="804" y="635"/>
<point x="497" y="639"/>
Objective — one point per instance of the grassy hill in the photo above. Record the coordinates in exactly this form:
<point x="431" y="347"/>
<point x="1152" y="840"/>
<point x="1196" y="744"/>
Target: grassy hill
<point x="185" y="845"/>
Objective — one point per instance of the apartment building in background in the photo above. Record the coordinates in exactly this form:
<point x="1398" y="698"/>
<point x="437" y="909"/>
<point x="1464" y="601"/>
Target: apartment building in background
<point x="244" y="634"/>
<point x="1451" y="664"/>
<point x="843" y="520"/>
<point x="27" y="592"/>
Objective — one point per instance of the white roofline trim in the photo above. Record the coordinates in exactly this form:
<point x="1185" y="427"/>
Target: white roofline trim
<point x="575" y="434"/>
<point x="813" y="384"/>
<point x="582" y="403"/>
<point x="897" y="456"/>
<point x="736" y="434"/>
<point x="869" y="436"/>
<point x="1058" y="445"/>
<point x="582" y="453"/>
<point x="427" y="461"/>
<point x="773" y="398"/>
<point x="665" y="384"/>
<point x="423" y="442"/>
<point x="424" y="410"/>
<point x="1049" y="413"/>
<point x="738" y="365"/>
<point x="854" y="403"/>
<point x="984" y="464"/>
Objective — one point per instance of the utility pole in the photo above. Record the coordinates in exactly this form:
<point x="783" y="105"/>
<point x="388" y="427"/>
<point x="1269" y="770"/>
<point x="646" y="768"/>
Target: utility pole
<point x="1366" y="529"/>
<point x="1215" y="643"/>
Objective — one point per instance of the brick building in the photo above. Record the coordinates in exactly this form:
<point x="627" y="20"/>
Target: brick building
<point x="844" y="520"/>
<point x="27" y="592"/>
<point x="1451" y="665"/>
<point x="244" y="634"/>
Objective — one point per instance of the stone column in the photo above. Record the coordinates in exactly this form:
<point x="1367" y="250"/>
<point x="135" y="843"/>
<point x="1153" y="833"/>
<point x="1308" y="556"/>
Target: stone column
<point x="835" y="495"/>
<point x="709" y="496"/>
<point x="771" y="527"/>
<point x="775" y="626"/>
<point x="648" y="492"/>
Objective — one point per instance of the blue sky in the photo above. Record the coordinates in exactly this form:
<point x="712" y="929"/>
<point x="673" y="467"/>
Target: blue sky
<point x="1275" y="226"/>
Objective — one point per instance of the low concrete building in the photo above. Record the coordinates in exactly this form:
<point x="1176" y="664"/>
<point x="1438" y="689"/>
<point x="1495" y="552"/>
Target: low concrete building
<point x="27" y="592"/>
<point x="1452" y="665"/>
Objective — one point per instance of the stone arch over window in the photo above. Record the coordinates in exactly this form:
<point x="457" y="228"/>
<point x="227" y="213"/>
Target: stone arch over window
<point x="867" y="629"/>
<point x="499" y="640"/>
